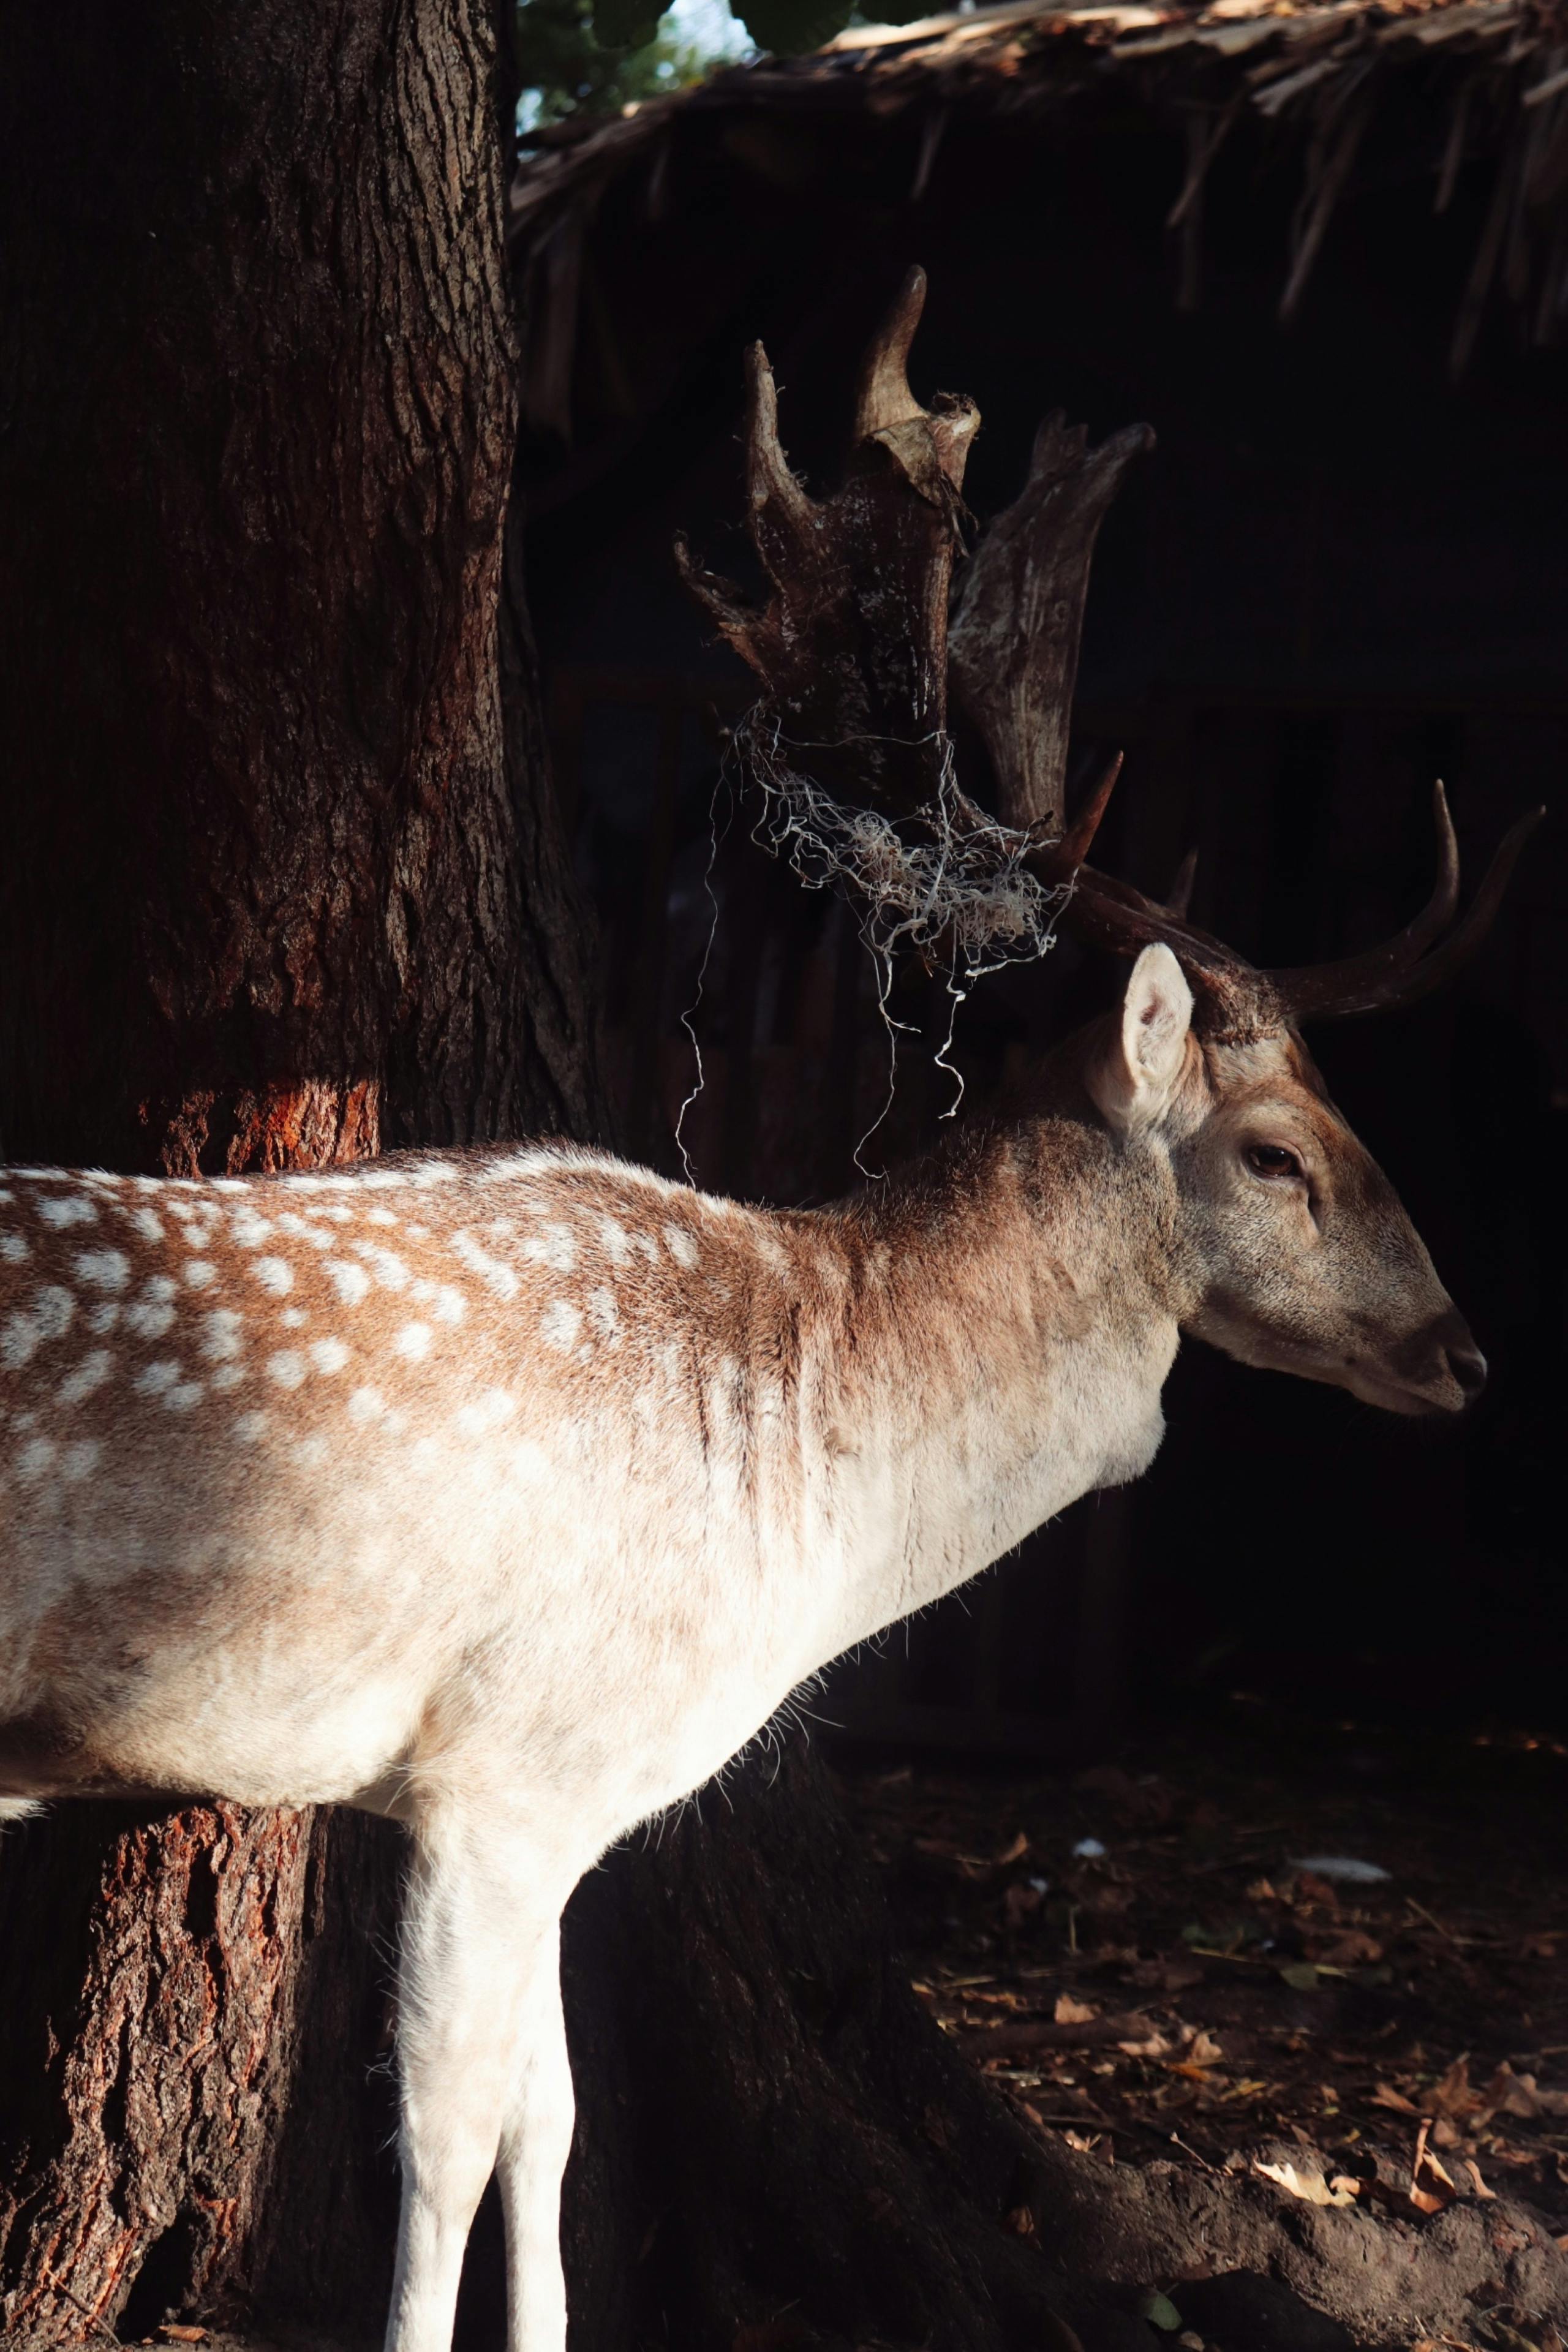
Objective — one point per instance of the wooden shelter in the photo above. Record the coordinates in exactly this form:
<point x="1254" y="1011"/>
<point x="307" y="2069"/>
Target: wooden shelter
<point x="1322" y="251"/>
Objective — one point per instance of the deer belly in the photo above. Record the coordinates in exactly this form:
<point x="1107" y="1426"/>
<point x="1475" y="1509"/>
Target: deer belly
<point x="249" y="1686"/>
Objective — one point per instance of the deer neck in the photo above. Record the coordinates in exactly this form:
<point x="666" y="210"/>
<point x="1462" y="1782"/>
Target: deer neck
<point x="1006" y="1321"/>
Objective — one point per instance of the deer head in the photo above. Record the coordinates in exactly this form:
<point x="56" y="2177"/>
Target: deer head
<point x="1288" y="1246"/>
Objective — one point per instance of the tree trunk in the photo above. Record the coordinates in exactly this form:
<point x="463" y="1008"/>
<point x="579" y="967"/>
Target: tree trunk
<point x="282" y="886"/>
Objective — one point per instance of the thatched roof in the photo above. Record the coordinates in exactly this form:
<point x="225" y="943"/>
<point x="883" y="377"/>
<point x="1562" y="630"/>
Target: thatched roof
<point x="1465" y="82"/>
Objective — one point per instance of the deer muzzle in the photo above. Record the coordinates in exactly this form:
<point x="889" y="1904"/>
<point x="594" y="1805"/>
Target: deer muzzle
<point x="1439" y="1369"/>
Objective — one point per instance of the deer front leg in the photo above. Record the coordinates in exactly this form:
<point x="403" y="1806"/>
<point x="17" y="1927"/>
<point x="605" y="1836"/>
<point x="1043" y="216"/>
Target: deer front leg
<point x="482" y="2066"/>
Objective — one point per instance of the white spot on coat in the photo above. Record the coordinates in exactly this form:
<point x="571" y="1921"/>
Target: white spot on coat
<point x="319" y="1236"/>
<point x="250" y="1428"/>
<point x="488" y="1412"/>
<point x="553" y="1246"/>
<point x="222" y="1333"/>
<point x="36" y="1458"/>
<point x="156" y="1379"/>
<point x="14" y="1248"/>
<point x="288" y="1368"/>
<point x="329" y="1355"/>
<point x="351" y="1282"/>
<point x="389" y="1269"/>
<point x="21" y="1336"/>
<point x="498" y="1279"/>
<point x="560" y="1324"/>
<point x="413" y="1342"/>
<point x="682" y="1248"/>
<point x="107" y="1269"/>
<point x="53" y="1308"/>
<point x="274" y="1274"/>
<point x="201" y="1274"/>
<point x="603" y="1315"/>
<point x="367" y="1405"/>
<point x="89" y="1375"/>
<point x="145" y="1223"/>
<point x="70" y="1210"/>
<point x="446" y="1305"/>
<point x="79" y="1460"/>
<point x="149" y="1319"/>
<point x="615" y="1242"/>
<point x="248" y="1228"/>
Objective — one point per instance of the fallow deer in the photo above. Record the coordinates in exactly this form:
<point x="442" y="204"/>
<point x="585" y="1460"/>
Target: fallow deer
<point x="510" y="1492"/>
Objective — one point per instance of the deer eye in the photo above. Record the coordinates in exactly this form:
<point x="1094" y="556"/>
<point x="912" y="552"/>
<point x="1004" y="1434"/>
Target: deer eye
<point x="1272" y="1160"/>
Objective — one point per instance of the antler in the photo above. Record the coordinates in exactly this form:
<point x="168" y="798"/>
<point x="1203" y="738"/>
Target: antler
<point x="851" y="647"/>
<point x="1244" y="1000"/>
<point x="1019" y="617"/>
<point x="1400" y="970"/>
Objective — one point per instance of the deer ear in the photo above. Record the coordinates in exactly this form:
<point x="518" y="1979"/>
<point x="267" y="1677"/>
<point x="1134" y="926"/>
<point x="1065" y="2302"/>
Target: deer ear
<point x="1137" y="1070"/>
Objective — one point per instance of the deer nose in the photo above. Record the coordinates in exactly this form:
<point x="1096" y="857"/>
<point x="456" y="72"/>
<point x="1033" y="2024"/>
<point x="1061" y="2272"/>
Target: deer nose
<point x="1469" y="1367"/>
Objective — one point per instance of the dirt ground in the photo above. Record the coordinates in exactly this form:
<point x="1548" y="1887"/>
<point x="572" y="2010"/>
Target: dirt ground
<point x="1328" y="1960"/>
<point x="1333" y="2105"/>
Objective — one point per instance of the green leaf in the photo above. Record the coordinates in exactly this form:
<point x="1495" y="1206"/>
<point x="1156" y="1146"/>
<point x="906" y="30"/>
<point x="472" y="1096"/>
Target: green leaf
<point x="1160" y="2311"/>
<point x="790" y="28"/>
<point x="1301" y="1976"/>
<point x="626" y="24"/>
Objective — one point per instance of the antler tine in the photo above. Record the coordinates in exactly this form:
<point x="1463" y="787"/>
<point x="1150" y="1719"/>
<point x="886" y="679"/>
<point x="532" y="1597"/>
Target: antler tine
<point x="1061" y="859"/>
<point x="768" y="476"/>
<point x="884" y="397"/>
<point x="1376" y="982"/>
<point x="1112" y="914"/>
<point x="1179" y="897"/>
<point x="1312" y="987"/>
<point x="781" y="513"/>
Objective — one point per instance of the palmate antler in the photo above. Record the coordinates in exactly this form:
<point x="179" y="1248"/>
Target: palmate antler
<point x="851" y="647"/>
<point x="854" y="649"/>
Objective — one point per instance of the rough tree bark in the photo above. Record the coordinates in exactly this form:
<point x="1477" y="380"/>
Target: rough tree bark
<point x="274" y="894"/>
